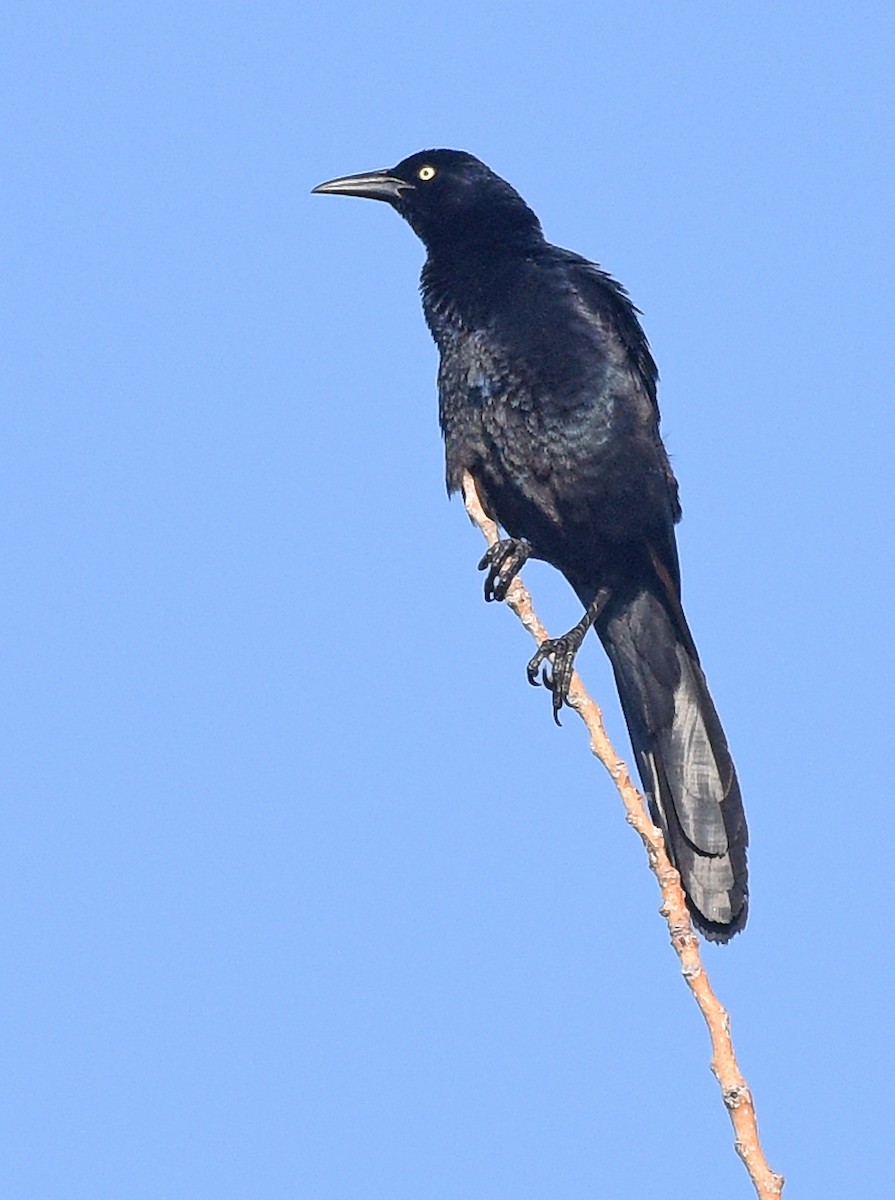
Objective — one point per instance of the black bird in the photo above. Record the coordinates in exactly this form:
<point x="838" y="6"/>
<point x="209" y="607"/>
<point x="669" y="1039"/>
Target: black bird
<point x="547" y="396"/>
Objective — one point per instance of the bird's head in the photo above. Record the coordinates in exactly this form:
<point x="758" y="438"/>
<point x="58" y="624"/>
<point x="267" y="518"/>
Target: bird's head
<point x="449" y="197"/>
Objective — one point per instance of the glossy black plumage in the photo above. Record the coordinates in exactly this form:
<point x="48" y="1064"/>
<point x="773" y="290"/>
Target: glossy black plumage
<point x="547" y="396"/>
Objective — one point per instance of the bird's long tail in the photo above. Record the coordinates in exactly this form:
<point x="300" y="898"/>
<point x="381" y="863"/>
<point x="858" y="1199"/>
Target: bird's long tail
<point x="682" y="755"/>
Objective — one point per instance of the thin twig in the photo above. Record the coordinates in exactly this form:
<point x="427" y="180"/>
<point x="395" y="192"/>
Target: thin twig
<point x="734" y="1090"/>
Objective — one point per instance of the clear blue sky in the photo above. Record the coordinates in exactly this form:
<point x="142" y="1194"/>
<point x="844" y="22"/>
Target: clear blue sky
<point x="302" y="894"/>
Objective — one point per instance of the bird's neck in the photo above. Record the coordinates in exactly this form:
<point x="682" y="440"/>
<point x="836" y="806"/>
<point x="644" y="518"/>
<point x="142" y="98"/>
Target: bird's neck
<point x="463" y="282"/>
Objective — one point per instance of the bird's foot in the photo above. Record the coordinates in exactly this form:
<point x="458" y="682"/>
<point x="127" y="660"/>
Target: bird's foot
<point x="503" y="561"/>
<point x="561" y="652"/>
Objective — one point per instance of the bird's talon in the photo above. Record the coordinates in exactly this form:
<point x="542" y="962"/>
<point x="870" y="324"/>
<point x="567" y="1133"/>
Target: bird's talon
<point x="502" y="561"/>
<point x="558" y="658"/>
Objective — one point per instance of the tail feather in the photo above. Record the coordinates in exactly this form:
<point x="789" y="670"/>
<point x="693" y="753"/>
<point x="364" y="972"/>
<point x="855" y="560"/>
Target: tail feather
<point x="682" y="756"/>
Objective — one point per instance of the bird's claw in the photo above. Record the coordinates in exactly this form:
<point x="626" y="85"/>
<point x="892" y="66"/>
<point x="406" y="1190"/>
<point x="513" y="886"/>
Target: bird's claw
<point x="561" y="652"/>
<point x="503" y="561"/>
<point x="557" y="680"/>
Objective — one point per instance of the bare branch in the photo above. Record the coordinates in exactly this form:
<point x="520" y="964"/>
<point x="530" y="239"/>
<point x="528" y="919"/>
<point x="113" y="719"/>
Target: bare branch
<point x="734" y="1090"/>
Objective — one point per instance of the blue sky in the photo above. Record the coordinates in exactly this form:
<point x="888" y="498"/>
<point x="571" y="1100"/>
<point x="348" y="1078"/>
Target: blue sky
<point x="302" y="893"/>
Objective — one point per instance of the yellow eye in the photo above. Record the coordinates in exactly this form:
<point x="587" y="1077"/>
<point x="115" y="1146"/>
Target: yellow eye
<point x="426" y="173"/>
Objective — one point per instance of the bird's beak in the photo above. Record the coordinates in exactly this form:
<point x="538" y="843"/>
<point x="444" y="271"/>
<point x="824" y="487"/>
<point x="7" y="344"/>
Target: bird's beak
<point x="372" y="185"/>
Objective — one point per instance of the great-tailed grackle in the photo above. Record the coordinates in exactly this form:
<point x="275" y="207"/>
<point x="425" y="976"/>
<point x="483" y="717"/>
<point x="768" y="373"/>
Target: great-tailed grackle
<point x="547" y="396"/>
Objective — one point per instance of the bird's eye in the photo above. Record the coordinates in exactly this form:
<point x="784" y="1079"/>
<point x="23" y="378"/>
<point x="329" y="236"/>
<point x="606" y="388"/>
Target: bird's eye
<point x="426" y="173"/>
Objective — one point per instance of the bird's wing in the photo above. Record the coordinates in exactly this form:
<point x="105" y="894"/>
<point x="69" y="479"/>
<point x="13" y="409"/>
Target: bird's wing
<point x="607" y="299"/>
